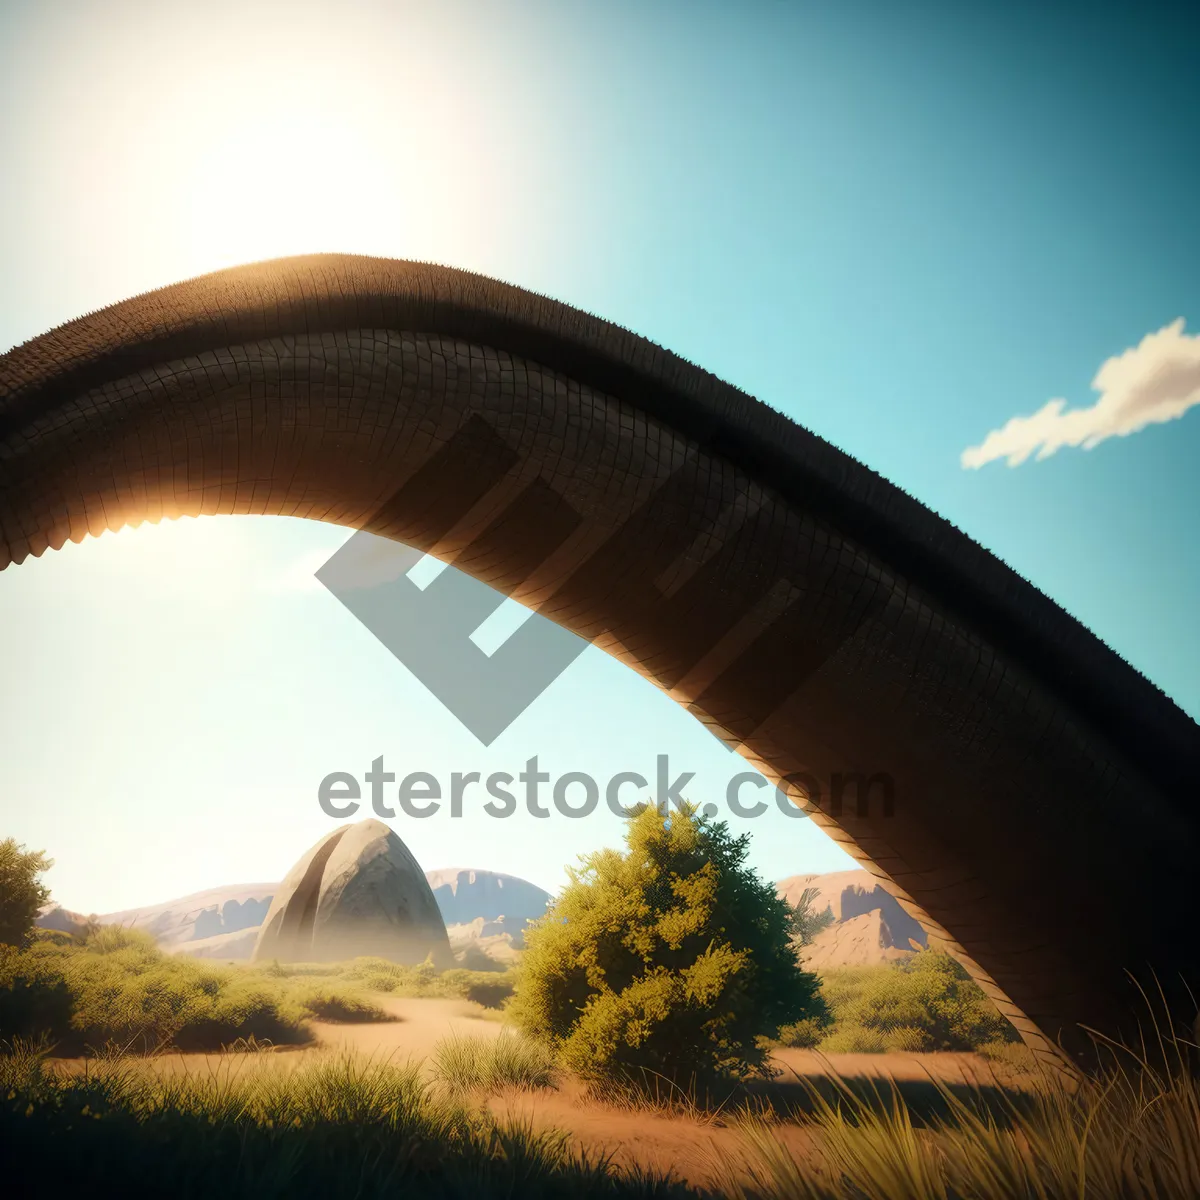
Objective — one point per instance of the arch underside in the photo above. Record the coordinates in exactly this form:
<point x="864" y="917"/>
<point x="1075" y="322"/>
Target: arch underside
<point x="799" y="605"/>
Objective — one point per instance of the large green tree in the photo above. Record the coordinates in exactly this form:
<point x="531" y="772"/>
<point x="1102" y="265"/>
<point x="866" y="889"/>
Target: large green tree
<point x="672" y="958"/>
<point x="22" y="893"/>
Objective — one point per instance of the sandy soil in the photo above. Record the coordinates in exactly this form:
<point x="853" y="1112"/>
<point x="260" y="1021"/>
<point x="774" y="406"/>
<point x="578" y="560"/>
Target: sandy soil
<point x="680" y="1142"/>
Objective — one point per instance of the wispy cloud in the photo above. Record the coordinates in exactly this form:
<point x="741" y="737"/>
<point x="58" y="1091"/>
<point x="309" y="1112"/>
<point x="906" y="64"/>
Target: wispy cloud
<point x="1155" y="381"/>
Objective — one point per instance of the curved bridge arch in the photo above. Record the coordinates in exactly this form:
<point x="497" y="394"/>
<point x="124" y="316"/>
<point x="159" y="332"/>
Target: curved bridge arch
<point x="794" y="600"/>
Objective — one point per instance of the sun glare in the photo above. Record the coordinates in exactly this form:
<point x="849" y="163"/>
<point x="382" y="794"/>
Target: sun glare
<point x="303" y="138"/>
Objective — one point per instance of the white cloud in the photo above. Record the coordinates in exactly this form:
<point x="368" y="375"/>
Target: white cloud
<point x="1155" y="381"/>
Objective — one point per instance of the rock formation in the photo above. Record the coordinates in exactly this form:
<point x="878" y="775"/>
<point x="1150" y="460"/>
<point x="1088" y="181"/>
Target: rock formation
<point x="200" y="915"/>
<point x="358" y="891"/>
<point x="869" y="926"/>
<point x="237" y="946"/>
<point x="465" y="895"/>
<point x="53" y="916"/>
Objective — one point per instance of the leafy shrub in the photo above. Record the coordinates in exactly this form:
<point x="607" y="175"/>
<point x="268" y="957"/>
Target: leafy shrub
<point x="117" y="939"/>
<point x="802" y="1035"/>
<point x="381" y="975"/>
<point x="907" y="1039"/>
<point x="488" y="988"/>
<point x="672" y="958"/>
<point x="928" y="1002"/>
<point x="56" y="937"/>
<point x="34" y="998"/>
<point x="326" y="1002"/>
<point x="121" y="989"/>
<point x="853" y="1039"/>
<point x="22" y="893"/>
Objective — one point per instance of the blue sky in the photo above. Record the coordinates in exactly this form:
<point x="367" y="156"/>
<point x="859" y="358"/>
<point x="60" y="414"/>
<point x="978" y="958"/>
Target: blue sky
<point x="901" y="225"/>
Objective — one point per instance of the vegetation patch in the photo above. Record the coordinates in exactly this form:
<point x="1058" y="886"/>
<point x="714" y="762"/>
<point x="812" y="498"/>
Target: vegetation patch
<point x="924" y="1003"/>
<point x="329" y="1130"/>
<point x="1129" y="1132"/>
<point x="483" y="1064"/>
<point x="118" y="988"/>
<point x="672" y="960"/>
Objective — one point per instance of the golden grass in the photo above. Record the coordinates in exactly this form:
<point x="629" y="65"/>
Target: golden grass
<point x="491" y="1064"/>
<point x="1130" y="1132"/>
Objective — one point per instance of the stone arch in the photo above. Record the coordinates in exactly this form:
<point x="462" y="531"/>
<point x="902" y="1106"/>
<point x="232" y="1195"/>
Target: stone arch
<point x="1044" y="822"/>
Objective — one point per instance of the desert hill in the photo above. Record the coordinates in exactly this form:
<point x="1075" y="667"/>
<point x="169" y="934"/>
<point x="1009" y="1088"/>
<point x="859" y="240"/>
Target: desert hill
<point x="869" y="926"/>
<point x="201" y="915"/>
<point x="488" y="909"/>
<point x="486" y="913"/>
<point x="466" y="895"/>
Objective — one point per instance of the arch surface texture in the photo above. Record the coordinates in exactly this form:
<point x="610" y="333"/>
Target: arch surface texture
<point x="1043" y="823"/>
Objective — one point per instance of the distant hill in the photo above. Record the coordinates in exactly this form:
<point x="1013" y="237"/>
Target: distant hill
<point x="486" y="913"/>
<point x="486" y="909"/>
<point x="53" y="916"/>
<point x="201" y="915"/>
<point x="869" y="926"/>
<point x="466" y="895"/>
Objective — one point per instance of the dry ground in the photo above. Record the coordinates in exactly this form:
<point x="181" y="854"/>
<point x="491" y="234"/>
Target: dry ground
<point x="680" y="1140"/>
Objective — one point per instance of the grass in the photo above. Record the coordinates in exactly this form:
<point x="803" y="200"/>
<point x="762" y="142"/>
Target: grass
<point x="1130" y="1132"/>
<point x="347" y="1126"/>
<point x="491" y="989"/>
<point x="344" y="1127"/>
<point x="479" y="1064"/>
<point x="119" y="988"/>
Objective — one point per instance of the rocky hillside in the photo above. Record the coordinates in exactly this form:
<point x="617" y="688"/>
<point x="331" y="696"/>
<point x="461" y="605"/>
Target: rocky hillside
<point x="201" y="915"/>
<point x="869" y="926"/>
<point x="484" y="909"/>
<point x="486" y="913"/>
<point x="465" y="895"/>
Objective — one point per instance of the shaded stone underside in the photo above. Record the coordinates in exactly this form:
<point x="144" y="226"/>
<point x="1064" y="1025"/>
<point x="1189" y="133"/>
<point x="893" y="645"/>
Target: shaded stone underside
<point x="801" y="606"/>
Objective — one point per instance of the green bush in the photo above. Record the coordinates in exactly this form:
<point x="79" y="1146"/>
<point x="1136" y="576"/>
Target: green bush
<point x="119" y="988"/>
<point x="928" y="1002"/>
<point x="331" y="1002"/>
<point x="853" y="1039"/>
<point x="22" y="893"/>
<point x="802" y="1035"/>
<point x="34" y="997"/>
<point x="671" y="959"/>
<point x="488" y="988"/>
<point x="908" y="1039"/>
<point x="381" y="975"/>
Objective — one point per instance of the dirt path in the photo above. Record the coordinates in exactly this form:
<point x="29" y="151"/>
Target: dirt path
<point x="417" y="1026"/>
<point x="685" y="1143"/>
